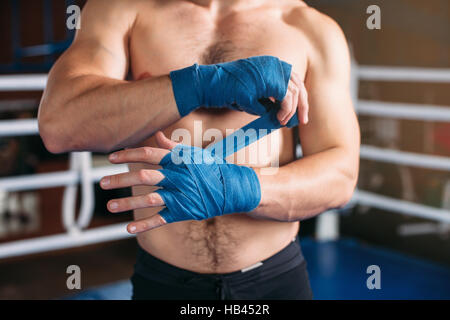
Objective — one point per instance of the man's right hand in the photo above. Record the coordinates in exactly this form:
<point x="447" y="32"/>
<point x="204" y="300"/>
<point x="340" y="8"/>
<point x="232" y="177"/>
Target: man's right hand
<point x="239" y="85"/>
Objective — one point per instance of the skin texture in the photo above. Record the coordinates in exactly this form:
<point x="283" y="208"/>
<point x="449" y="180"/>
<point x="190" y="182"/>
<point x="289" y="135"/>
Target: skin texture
<point x="88" y="105"/>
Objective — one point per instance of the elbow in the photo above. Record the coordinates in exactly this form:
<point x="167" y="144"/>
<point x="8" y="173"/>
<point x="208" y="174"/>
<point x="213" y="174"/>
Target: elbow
<point x="58" y="137"/>
<point x="56" y="130"/>
<point x="62" y="131"/>
<point x="52" y="136"/>
<point x="347" y="196"/>
<point x="347" y="188"/>
<point x="50" y="129"/>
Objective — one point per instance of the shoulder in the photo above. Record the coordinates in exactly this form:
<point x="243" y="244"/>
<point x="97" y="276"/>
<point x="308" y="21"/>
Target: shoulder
<point x="321" y="30"/>
<point x="115" y="13"/>
<point x="327" y="45"/>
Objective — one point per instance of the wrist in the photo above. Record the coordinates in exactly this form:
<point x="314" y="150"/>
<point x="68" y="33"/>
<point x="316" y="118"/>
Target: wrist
<point x="184" y="86"/>
<point x="242" y="189"/>
<point x="267" y="183"/>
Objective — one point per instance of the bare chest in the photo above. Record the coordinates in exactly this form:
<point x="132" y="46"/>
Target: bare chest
<point x="173" y="38"/>
<point x="176" y="38"/>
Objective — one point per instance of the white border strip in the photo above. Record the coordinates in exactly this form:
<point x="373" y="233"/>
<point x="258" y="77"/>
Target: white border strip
<point x="406" y="74"/>
<point x="408" y="111"/>
<point x="64" y="241"/>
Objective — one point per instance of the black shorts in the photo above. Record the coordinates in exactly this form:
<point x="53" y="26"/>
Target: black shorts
<point x="282" y="276"/>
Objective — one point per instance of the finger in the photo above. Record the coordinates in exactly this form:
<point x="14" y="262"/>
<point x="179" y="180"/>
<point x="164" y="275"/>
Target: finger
<point x="295" y="78"/>
<point x="286" y="105"/>
<point x="138" y="202"/>
<point x="283" y="121"/>
<point x="145" y="154"/>
<point x="144" y="177"/>
<point x="295" y="95"/>
<point x="146" y="224"/>
<point x="285" y="108"/>
<point x="303" y="105"/>
<point x="164" y="142"/>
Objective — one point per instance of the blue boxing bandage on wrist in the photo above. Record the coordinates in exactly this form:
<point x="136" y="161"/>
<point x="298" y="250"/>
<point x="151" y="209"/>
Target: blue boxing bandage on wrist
<point x="237" y="84"/>
<point x="199" y="186"/>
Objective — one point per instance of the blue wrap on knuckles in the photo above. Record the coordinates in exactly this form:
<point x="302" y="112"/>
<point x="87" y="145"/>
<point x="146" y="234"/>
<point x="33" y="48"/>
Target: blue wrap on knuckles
<point x="237" y="84"/>
<point x="200" y="186"/>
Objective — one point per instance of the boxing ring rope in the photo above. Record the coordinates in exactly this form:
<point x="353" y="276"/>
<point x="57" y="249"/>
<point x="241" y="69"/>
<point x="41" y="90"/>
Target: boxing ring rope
<point x="32" y="82"/>
<point x="328" y="222"/>
<point x="81" y="170"/>
<point x="405" y="158"/>
<point x="23" y="127"/>
<point x="401" y="74"/>
<point x="406" y="111"/>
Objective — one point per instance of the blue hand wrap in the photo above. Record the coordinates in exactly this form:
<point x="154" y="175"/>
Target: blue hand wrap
<point x="237" y="84"/>
<point x="199" y="186"/>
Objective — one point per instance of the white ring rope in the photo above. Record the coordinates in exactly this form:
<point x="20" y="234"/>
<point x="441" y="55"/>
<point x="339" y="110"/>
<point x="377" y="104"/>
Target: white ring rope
<point x="405" y="158"/>
<point x="70" y="197"/>
<point x="64" y="241"/>
<point x="403" y="74"/>
<point x="400" y="206"/>
<point x="22" y="127"/>
<point x="55" y="179"/>
<point x="87" y="190"/>
<point x="406" y="111"/>
<point x="23" y="82"/>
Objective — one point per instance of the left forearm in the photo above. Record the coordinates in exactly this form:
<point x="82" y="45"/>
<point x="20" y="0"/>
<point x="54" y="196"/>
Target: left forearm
<point x="308" y="186"/>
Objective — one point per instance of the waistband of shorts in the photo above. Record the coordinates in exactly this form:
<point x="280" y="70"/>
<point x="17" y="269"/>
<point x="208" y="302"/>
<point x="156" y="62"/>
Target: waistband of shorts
<point x="282" y="261"/>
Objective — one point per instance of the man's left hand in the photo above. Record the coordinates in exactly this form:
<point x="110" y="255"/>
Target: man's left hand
<point x="195" y="185"/>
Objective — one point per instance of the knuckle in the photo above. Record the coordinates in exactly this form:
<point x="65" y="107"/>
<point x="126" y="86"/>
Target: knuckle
<point x="288" y="95"/>
<point x="143" y="226"/>
<point x="143" y="175"/>
<point x="304" y="92"/>
<point x="160" y="220"/>
<point x="146" y="151"/>
<point x="149" y="199"/>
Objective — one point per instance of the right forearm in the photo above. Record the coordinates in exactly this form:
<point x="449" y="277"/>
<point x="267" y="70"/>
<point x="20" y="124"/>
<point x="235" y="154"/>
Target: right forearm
<point x="101" y="114"/>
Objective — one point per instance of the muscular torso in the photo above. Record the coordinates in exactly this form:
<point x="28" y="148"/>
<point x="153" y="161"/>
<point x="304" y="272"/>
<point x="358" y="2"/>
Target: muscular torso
<point x="175" y="34"/>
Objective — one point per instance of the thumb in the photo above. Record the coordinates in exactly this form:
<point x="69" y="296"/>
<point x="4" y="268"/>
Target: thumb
<point x="164" y="142"/>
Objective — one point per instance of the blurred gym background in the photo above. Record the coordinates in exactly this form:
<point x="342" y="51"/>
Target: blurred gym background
<point x="399" y="219"/>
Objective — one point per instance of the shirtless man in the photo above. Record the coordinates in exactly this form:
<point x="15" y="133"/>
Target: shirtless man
<point x="90" y="104"/>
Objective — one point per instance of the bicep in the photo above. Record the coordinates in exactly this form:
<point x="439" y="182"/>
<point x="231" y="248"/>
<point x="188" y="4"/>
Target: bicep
<point x="332" y="118"/>
<point x="100" y="47"/>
